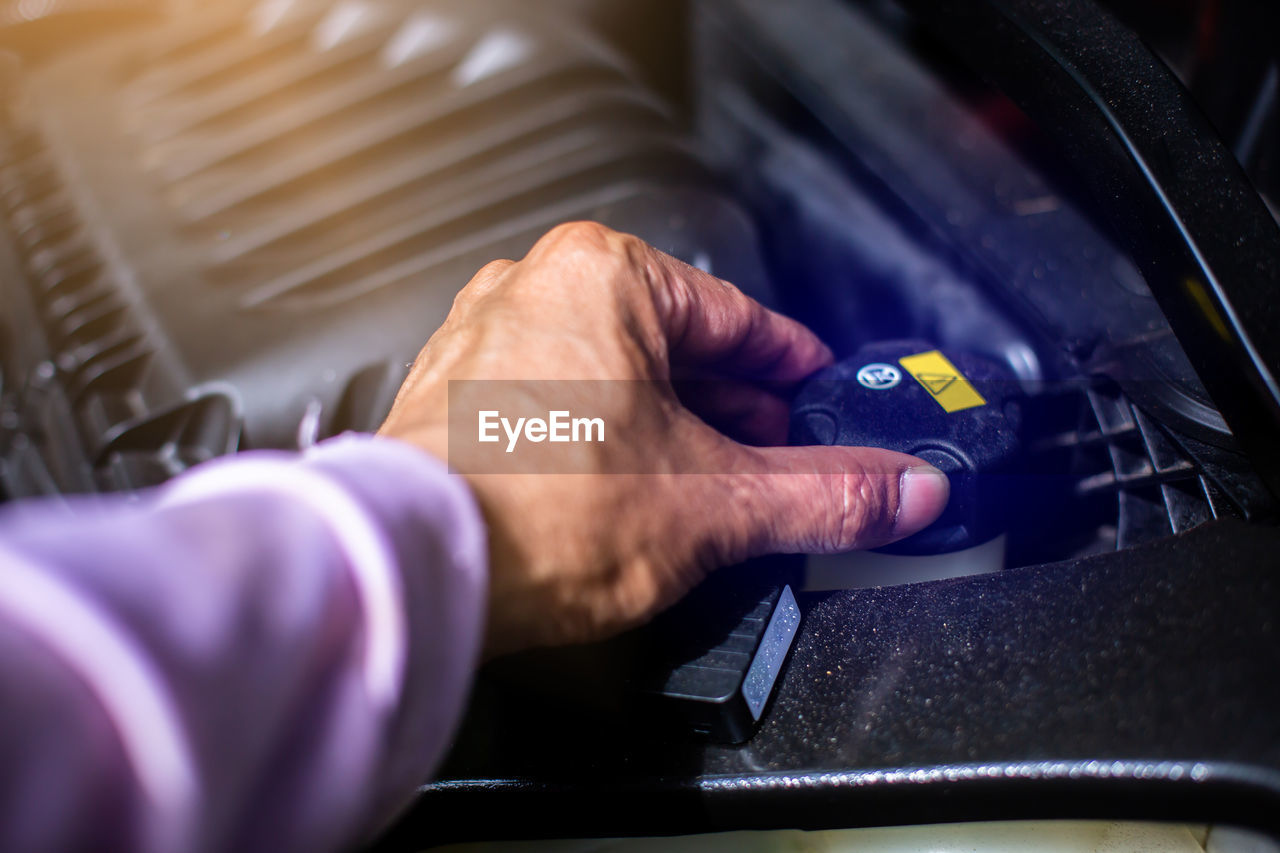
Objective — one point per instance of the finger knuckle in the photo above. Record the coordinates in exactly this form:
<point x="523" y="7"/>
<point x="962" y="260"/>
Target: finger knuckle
<point x="489" y="278"/>
<point x="493" y="270"/>
<point x="859" y="500"/>
<point x="463" y="299"/>
<point x="590" y="245"/>
<point x="579" y="236"/>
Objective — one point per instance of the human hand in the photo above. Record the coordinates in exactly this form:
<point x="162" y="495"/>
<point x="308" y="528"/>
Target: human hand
<point x="636" y="521"/>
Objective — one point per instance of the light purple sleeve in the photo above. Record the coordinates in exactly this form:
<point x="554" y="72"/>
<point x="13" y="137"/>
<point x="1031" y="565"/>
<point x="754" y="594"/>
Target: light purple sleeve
<point x="269" y="653"/>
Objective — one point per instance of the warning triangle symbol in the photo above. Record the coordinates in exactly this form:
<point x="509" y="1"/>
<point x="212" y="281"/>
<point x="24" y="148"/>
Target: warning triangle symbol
<point x="935" y="383"/>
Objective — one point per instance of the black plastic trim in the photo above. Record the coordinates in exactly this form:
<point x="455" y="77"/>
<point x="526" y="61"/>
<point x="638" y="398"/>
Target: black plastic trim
<point x="1204" y="239"/>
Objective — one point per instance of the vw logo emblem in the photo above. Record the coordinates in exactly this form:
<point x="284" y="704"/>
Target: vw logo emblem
<point x="879" y="377"/>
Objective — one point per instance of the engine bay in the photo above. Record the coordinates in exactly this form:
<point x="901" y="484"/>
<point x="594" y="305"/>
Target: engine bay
<point x="233" y="229"/>
<point x="231" y="226"/>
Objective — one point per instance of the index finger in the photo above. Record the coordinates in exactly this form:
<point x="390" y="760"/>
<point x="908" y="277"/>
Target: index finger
<point x="709" y="322"/>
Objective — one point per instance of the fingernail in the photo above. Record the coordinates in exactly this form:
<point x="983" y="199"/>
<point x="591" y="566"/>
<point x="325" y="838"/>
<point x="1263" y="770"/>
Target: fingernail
<point x="922" y="496"/>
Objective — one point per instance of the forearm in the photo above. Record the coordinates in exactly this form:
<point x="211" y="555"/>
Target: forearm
<point x="263" y="655"/>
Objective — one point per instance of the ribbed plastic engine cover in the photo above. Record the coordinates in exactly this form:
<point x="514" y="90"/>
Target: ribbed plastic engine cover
<point x="237" y="228"/>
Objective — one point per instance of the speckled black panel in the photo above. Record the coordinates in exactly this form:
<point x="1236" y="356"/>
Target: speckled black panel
<point x="1162" y="653"/>
<point x="1136" y="684"/>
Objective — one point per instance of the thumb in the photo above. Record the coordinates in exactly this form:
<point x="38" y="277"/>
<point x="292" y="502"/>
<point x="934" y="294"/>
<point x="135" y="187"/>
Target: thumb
<point x="826" y="499"/>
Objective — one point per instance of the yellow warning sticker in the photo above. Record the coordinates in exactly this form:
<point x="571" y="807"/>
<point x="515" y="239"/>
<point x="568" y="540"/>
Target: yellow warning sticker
<point x="943" y="380"/>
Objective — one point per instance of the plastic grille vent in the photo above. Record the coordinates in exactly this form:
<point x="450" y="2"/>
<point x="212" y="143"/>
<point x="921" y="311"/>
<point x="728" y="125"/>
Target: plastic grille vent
<point x="1117" y="452"/>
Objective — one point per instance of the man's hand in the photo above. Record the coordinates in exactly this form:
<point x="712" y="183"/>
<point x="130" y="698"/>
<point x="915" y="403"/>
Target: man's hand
<point x="603" y="547"/>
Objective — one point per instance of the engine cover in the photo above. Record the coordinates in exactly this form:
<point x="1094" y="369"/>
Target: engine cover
<point x="235" y="229"/>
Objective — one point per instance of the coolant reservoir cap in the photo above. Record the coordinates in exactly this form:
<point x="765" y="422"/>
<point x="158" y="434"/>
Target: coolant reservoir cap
<point x="958" y="411"/>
